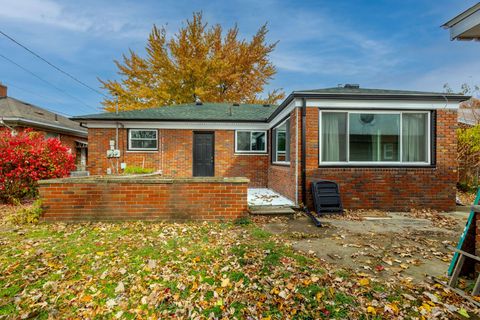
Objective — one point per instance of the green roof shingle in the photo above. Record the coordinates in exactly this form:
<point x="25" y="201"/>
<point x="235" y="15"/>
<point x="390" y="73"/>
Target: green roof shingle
<point x="191" y="112"/>
<point x="228" y="112"/>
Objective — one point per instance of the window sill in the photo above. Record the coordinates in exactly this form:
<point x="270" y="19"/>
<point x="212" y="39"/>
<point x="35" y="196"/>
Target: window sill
<point x="282" y="164"/>
<point x="379" y="166"/>
<point x="250" y="154"/>
<point x="141" y="151"/>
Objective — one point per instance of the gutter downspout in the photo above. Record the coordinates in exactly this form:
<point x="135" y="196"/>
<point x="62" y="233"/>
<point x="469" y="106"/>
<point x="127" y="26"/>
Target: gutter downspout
<point x="116" y="133"/>
<point x="304" y="151"/>
<point x="296" y="155"/>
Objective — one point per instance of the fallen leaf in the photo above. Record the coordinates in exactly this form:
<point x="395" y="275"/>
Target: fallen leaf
<point x="371" y="310"/>
<point x="225" y="282"/>
<point x="120" y="287"/>
<point x="364" y="282"/>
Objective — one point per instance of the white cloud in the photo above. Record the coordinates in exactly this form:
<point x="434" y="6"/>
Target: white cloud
<point x="113" y="21"/>
<point x="44" y="12"/>
<point x="314" y="43"/>
<point x="455" y="75"/>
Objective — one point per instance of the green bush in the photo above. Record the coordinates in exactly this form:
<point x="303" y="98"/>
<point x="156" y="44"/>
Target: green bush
<point x="27" y="214"/>
<point x="465" y="187"/>
<point x="242" y="221"/>
<point x="137" y="170"/>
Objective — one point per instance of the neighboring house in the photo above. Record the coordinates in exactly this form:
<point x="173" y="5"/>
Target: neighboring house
<point x="465" y="26"/>
<point x="17" y="114"/>
<point x="387" y="149"/>
<point x="469" y="117"/>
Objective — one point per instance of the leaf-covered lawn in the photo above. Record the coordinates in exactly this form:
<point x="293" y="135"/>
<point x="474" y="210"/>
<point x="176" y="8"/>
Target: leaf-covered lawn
<point x="196" y="270"/>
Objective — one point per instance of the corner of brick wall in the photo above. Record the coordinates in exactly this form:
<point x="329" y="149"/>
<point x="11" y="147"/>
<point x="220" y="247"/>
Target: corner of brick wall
<point x="281" y="178"/>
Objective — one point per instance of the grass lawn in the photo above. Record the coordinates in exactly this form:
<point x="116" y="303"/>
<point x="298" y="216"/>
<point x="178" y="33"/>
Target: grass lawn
<point x="195" y="270"/>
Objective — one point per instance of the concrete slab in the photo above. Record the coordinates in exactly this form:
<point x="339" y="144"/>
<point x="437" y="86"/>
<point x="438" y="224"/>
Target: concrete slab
<point x="400" y="245"/>
<point x="266" y="197"/>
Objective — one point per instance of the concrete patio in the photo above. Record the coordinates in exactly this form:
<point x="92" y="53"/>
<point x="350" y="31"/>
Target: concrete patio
<point x="266" y="197"/>
<point x="396" y="244"/>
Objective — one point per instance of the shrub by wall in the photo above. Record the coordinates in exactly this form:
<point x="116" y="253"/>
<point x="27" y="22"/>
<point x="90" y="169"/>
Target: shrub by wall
<point x="25" y="158"/>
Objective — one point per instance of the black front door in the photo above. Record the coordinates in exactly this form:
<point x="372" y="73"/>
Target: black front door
<point x="203" y="150"/>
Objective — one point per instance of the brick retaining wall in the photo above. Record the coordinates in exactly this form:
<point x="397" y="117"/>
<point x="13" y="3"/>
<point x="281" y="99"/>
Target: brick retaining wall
<point x="110" y="198"/>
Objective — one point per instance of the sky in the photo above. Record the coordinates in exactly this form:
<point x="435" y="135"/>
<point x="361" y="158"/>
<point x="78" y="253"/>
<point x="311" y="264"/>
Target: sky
<point x="377" y="44"/>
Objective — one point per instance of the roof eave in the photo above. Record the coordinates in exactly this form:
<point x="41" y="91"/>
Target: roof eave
<point x="366" y="96"/>
<point x="168" y="120"/>
<point x="465" y="14"/>
<point x="357" y="96"/>
<point x="44" y="125"/>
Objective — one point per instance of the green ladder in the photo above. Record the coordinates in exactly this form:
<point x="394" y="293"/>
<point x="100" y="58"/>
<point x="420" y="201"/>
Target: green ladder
<point x="464" y="234"/>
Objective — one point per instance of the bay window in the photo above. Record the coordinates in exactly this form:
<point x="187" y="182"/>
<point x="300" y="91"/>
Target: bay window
<point x="369" y="137"/>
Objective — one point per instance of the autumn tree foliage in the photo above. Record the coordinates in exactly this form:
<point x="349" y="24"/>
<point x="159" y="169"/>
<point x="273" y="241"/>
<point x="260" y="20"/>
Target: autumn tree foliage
<point x="25" y="158"/>
<point x="468" y="138"/>
<point x="199" y="60"/>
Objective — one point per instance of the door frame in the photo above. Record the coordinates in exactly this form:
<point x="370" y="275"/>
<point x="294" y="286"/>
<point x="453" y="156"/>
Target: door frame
<point x="193" y="150"/>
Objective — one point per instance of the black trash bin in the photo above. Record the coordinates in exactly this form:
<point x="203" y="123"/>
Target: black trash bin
<point x="326" y="197"/>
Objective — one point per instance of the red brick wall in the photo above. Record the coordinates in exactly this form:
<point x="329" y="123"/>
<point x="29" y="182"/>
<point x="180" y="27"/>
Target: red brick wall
<point x="281" y="178"/>
<point x="175" y="155"/>
<point x="382" y="188"/>
<point x="70" y="141"/>
<point x="160" y="199"/>
<point x="477" y="240"/>
<point x="392" y="188"/>
<point x="476" y="237"/>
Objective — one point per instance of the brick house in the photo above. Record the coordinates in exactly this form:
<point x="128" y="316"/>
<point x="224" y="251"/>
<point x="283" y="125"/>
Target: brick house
<point x="387" y="149"/>
<point x="19" y="115"/>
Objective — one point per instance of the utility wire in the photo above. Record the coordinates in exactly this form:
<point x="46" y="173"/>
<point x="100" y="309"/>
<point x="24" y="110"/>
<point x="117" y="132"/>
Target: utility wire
<point x="47" y="82"/>
<point x="52" y="65"/>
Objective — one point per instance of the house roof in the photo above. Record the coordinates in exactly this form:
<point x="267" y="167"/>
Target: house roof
<point x="226" y="112"/>
<point x="466" y="25"/>
<point x="356" y="90"/>
<point x="16" y="111"/>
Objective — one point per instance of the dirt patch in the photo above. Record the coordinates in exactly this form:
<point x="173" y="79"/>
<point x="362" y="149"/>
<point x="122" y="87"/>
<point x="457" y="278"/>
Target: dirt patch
<point x="387" y="245"/>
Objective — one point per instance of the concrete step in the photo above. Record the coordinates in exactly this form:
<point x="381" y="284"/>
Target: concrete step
<point x="271" y="210"/>
<point x="464" y="208"/>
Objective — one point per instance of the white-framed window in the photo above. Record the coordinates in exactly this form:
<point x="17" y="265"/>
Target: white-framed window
<point x="250" y="141"/>
<point x="378" y="138"/>
<point x="281" y="143"/>
<point x="142" y="139"/>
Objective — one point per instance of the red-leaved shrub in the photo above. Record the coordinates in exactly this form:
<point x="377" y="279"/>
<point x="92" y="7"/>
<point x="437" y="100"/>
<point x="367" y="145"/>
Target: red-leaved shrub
<point x="27" y="157"/>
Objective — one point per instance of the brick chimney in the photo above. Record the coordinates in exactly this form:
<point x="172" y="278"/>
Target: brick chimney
<point x="3" y="91"/>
